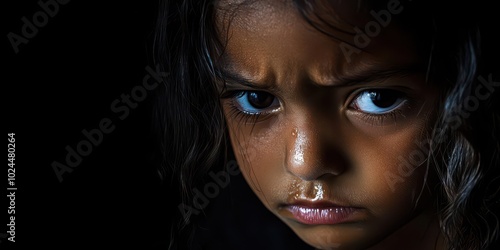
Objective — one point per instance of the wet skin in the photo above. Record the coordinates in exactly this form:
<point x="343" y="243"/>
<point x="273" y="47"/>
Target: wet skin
<point x="311" y="129"/>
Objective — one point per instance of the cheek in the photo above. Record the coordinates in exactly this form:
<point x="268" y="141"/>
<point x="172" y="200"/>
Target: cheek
<point x="390" y="169"/>
<point x="260" y="154"/>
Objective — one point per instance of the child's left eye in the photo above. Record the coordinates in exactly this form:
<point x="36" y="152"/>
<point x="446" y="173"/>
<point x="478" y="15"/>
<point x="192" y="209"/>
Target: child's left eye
<point x="256" y="102"/>
<point x="378" y="101"/>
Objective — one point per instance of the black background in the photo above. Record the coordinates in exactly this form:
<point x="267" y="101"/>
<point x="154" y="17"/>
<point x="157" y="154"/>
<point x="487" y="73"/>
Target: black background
<point x="63" y="81"/>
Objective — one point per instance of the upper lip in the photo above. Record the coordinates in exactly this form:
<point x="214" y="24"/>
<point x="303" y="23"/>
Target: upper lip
<point x="316" y="204"/>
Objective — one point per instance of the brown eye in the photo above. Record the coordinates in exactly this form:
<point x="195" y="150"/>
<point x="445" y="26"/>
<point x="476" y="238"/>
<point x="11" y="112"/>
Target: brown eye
<point x="378" y="101"/>
<point x="384" y="98"/>
<point x="260" y="100"/>
<point x="256" y="102"/>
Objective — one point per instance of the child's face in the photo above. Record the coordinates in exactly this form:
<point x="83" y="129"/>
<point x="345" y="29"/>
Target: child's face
<point x="334" y="150"/>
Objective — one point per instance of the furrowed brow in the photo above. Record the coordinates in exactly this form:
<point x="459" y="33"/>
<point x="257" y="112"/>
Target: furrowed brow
<point x="234" y="79"/>
<point x="375" y="74"/>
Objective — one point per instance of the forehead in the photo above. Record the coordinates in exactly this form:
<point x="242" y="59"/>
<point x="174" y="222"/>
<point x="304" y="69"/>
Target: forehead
<point x="273" y="37"/>
<point x="253" y="15"/>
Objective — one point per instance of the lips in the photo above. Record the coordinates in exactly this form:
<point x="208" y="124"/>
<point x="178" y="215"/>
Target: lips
<point x="320" y="212"/>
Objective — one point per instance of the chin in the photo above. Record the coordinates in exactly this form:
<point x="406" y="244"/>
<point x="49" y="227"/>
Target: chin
<point x="342" y="236"/>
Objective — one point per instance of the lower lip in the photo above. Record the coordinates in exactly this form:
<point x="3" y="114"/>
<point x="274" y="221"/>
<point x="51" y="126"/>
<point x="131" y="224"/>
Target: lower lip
<point x="324" y="215"/>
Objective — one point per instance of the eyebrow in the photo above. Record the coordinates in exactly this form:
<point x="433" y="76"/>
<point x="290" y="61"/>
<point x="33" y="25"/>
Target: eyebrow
<point x="374" y="74"/>
<point x="232" y="78"/>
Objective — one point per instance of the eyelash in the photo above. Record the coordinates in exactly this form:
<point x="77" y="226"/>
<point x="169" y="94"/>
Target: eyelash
<point x="372" y="119"/>
<point x="379" y="120"/>
<point x="235" y="112"/>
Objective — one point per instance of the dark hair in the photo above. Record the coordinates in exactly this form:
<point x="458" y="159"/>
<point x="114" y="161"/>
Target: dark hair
<point x="190" y="122"/>
<point x="464" y="148"/>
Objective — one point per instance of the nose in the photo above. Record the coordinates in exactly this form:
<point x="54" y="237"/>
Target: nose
<point x="311" y="156"/>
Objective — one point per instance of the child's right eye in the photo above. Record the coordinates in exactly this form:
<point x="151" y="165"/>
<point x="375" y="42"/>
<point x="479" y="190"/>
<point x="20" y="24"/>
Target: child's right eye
<point x="256" y="102"/>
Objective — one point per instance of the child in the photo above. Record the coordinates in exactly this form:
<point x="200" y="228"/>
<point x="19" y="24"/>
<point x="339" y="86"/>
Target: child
<point x="359" y="124"/>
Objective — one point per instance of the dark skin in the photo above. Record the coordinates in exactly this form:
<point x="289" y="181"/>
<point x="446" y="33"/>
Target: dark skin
<point x="301" y="131"/>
